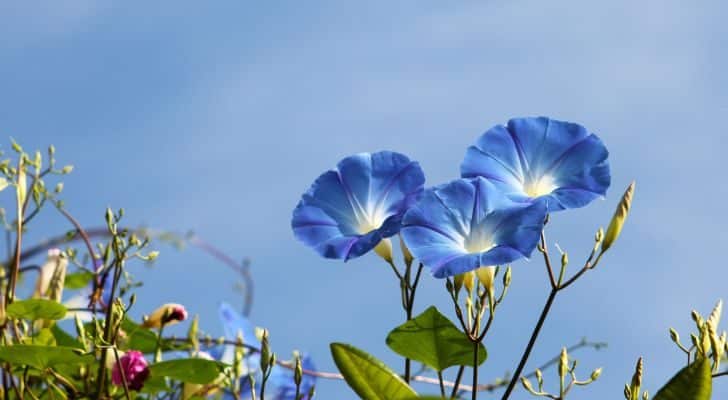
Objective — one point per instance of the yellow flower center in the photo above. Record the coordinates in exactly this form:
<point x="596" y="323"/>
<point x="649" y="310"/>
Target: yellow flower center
<point x="539" y="187"/>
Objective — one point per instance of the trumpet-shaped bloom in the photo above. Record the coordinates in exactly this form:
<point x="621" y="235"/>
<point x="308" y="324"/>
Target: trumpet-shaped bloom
<point x="280" y="385"/>
<point x="541" y="159"/>
<point x="347" y="211"/>
<point x="469" y="223"/>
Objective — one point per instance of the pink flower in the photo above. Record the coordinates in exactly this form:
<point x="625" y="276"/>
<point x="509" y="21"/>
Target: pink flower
<point x="135" y="370"/>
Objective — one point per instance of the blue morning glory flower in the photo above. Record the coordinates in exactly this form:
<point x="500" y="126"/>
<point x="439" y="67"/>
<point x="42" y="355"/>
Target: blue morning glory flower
<point x="280" y="385"/>
<point x="541" y="159"/>
<point x="469" y="223"/>
<point x="347" y="211"/>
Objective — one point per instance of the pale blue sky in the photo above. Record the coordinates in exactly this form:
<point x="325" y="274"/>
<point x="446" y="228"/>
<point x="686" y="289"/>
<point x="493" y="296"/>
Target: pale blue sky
<point x="216" y="117"/>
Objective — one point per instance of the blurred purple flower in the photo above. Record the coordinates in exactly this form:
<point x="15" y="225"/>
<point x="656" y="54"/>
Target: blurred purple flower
<point x="135" y="369"/>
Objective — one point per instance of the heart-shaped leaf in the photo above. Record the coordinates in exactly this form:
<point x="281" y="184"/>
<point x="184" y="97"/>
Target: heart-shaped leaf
<point x="433" y="340"/>
<point x="693" y="382"/>
<point x="42" y="357"/>
<point x="190" y="370"/>
<point x="34" y="309"/>
<point x="369" y="377"/>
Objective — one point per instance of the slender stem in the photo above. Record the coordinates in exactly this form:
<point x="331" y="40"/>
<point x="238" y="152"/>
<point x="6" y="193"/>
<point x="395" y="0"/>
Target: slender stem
<point x="545" y="251"/>
<point x="158" y="346"/>
<point x="64" y="382"/>
<point x="442" y="385"/>
<point x="16" y="261"/>
<point x="122" y="373"/>
<point x="456" y="385"/>
<point x="6" y="385"/>
<point x="409" y="306"/>
<point x="531" y="342"/>
<point x="724" y="373"/>
<point x="107" y="329"/>
<point x="475" y="369"/>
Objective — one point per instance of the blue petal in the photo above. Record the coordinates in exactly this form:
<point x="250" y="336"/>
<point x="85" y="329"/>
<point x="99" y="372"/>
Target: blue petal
<point x="468" y="223"/>
<point x="572" y="161"/>
<point x="282" y="384"/>
<point x="347" y="211"/>
<point x="235" y="323"/>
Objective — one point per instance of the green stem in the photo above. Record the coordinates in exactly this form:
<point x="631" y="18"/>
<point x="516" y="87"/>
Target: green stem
<point x="442" y="385"/>
<point x="101" y="377"/>
<point x="475" y="370"/>
<point x="457" y="382"/>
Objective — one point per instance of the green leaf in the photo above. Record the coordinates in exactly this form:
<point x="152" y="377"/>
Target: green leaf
<point x="41" y="357"/>
<point x="369" y="377"/>
<point x="145" y="340"/>
<point x="78" y="280"/>
<point x="44" y="338"/>
<point x="155" y="384"/>
<point x="34" y="309"/>
<point x="433" y="340"/>
<point x="64" y="339"/>
<point x="190" y="370"/>
<point x="693" y="382"/>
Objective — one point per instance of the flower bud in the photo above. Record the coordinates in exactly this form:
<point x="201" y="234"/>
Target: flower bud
<point x="405" y="252"/>
<point x="714" y="317"/>
<point x="539" y="377"/>
<point x="15" y="146"/>
<point x="486" y="276"/>
<point x="21" y="189"/>
<point x="449" y="286"/>
<point x="696" y="317"/>
<point x="527" y="385"/>
<point x="298" y="371"/>
<point x="637" y="377"/>
<point x="192" y="333"/>
<point x="67" y="169"/>
<point x="563" y="363"/>
<point x="384" y="250"/>
<point x="507" y="277"/>
<point x="674" y="335"/>
<point x="265" y="353"/>
<point x="135" y="370"/>
<point x="620" y="216"/>
<point x="595" y="374"/>
<point x="458" y="282"/>
<point x="80" y="330"/>
<point x="167" y="314"/>
<point x="469" y="281"/>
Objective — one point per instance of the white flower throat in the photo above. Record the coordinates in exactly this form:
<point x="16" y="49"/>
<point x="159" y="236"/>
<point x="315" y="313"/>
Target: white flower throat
<point x="539" y="187"/>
